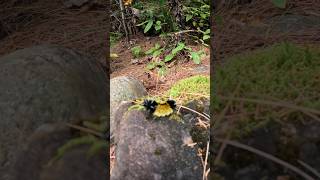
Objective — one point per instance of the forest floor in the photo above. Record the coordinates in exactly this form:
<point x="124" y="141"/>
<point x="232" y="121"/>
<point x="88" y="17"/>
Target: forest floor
<point x="181" y="67"/>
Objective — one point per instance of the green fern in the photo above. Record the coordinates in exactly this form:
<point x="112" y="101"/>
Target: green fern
<point x="96" y="143"/>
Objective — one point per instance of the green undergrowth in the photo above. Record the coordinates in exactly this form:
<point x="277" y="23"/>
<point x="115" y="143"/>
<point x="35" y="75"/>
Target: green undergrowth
<point x="186" y="90"/>
<point x="191" y="88"/>
<point x="284" y="73"/>
<point x="91" y="133"/>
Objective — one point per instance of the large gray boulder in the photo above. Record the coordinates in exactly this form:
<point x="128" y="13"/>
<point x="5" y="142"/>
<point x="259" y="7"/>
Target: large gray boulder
<point x="123" y="88"/>
<point x="46" y="84"/>
<point x="33" y="161"/>
<point x="153" y="149"/>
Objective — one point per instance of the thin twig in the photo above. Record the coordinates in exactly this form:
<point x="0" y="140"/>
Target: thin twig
<point x="85" y="130"/>
<point x="224" y="111"/>
<point x="281" y="104"/>
<point x="267" y="156"/>
<point x="311" y="169"/>
<point x="182" y="32"/>
<point x="204" y="177"/>
<point x="208" y="118"/>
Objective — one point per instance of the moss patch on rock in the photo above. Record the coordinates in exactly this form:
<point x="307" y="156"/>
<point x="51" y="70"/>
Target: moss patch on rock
<point x="191" y="88"/>
<point x="284" y="73"/>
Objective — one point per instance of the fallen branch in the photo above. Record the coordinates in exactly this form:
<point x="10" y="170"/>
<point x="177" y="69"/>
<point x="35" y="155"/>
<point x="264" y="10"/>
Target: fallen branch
<point x="267" y="156"/>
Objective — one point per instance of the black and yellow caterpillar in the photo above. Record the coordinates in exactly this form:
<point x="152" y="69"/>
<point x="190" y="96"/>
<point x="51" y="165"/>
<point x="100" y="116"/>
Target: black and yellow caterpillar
<point x="158" y="108"/>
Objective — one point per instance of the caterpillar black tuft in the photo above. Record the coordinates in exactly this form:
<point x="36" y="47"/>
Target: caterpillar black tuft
<point x="160" y="108"/>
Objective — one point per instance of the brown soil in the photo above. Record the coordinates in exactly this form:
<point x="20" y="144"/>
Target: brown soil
<point x="30" y="22"/>
<point x="180" y="68"/>
<point x="232" y="35"/>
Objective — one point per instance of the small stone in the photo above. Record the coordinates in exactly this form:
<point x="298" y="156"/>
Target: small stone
<point x="123" y="88"/>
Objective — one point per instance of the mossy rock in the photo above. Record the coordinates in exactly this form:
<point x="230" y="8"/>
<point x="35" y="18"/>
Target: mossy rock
<point x="284" y="73"/>
<point x="191" y="88"/>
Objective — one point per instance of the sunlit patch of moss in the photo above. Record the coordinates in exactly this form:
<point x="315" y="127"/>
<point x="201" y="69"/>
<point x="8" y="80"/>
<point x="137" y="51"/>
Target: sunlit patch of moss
<point x="192" y="88"/>
<point x="138" y="107"/>
<point x="282" y="72"/>
<point x="176" y="117"/>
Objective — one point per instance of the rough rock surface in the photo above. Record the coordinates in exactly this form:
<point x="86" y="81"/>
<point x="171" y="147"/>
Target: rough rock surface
<point x="284" y="24"/>
<point x="289" y="142"/>
<point x="154" y="149"/>
<point x="32" y="163"/>
<point x="45" y="84"/>
<point x="123" y="88"/>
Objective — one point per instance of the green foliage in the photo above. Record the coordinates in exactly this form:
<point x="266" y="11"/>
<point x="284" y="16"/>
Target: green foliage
<point x="136" y="51"/>
<point x="191" y="88"/>
<point x="283" y="72"/>
<point x="280" y="3"/>
<point x="196" y="56"/>
<point x="197" y="14"/>
<point x="136" y="107"/>
<point x="174" y="52"/>
<point x="96" y="143"/>
<point x="158" y="50"/>
<point x="114" y="37"/>
<point x="155" y="51"/>
<point x="155" y="17"/>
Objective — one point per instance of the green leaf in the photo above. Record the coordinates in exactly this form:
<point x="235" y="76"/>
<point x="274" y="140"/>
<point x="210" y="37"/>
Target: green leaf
<point x="96" y="147"/>
<point x="157" y="52"/>
<point x="188" y="48"/>
<point x="194" y="23"/>
<point x="157" y="46"/>
<point x="136" y="51"/>
<point x="148" y="26"/>
<point x="151" y="65"/>
<point x="205" y="37"/>
<point x="157" y="27"/>
<point x="188" y="17"/>
<point x="162" y="71"/>
<point x="169" y="57"/>
<point x="178" y="48"/>
<point x="203" y="16"/>
<point x="207" y="31"/>
<point x="158" y="22"/>
<point x="141" y="23"/>
<point x="150" y="51"/>
<point x="280" y="3"/>
<point x="153" y="49"/>
<point x="195" y="57"/>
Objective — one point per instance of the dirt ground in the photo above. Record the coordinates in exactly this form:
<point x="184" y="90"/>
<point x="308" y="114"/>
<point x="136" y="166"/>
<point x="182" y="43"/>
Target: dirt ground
<point x="26" y="23"/>
<point x="180" y="68"/>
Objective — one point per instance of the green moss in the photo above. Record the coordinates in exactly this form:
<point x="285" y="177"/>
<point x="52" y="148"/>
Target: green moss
<point x="95" y="143"/>
<point x="283" y="72"/>
<point x="176" y="117"/>
<point x="191" y="88"/>
<point x="158" y="151"/>
<point x="136" y="107"/>
<point x="84" y="137"/>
